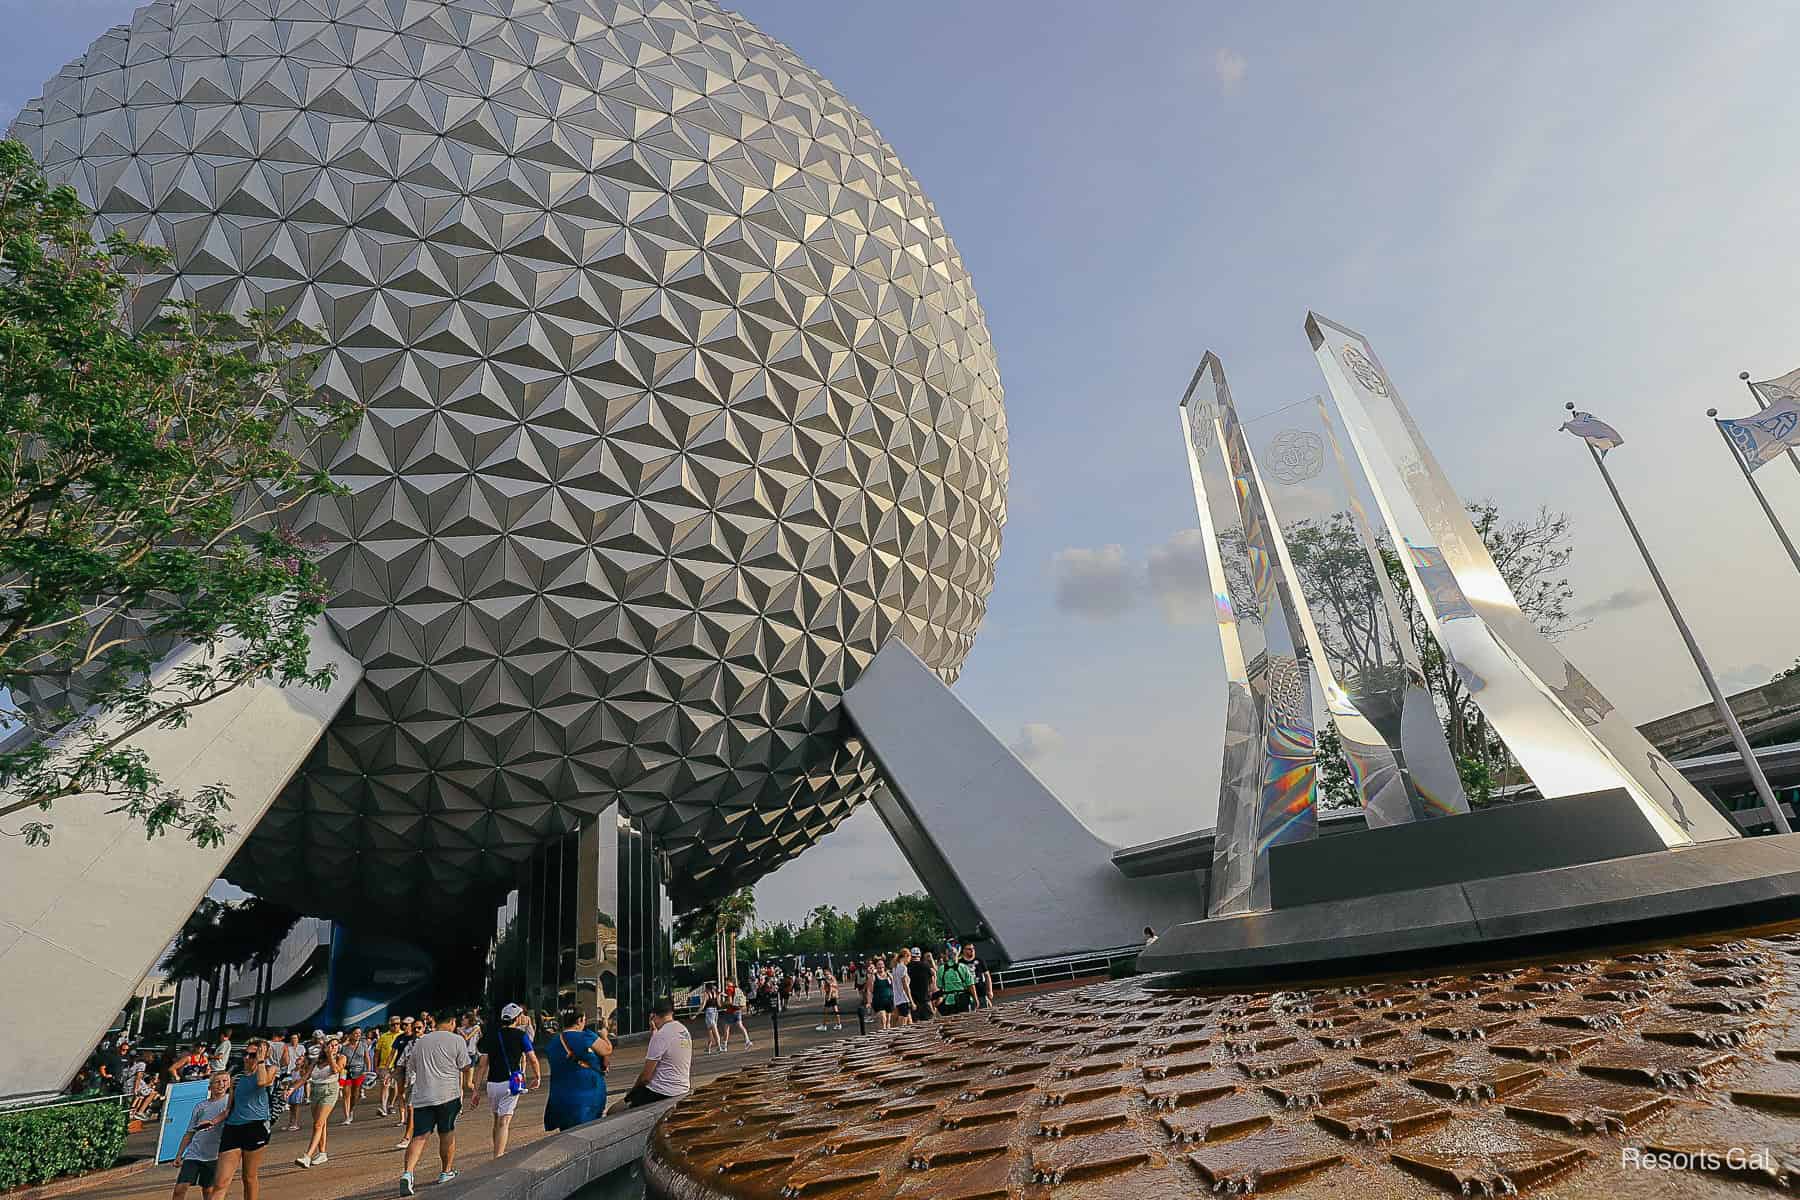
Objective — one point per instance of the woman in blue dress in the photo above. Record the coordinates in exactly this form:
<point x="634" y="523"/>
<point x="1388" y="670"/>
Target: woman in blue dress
<point x="577" y="1073"/>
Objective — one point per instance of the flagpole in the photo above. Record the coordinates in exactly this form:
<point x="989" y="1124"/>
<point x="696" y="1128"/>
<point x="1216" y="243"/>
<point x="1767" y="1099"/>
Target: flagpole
<point x="1757" y="777"/>
<point x="1761" y="403"/>
<point x="1786" y="543"/>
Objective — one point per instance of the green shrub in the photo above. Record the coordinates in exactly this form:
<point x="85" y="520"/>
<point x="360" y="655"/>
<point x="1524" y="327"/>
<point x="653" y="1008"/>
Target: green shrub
<point x="39" y="1145"/>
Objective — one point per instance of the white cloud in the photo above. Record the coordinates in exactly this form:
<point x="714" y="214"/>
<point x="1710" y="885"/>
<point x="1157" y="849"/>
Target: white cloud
<point x="1230" y="67"/>
<point x="1617" y="601"/>
<point x="1179" y="579"/>
<point x="1093" y="583"/>
<point x="1036" y="740"/>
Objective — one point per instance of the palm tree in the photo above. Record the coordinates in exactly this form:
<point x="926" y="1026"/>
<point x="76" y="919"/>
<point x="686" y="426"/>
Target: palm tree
<point x="190" y="956"/>
<point x="733" y="915"/>
<point x="218" y="938"/>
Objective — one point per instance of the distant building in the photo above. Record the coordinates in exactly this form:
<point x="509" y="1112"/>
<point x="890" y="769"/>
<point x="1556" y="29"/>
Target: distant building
<point x="1695" y="739"/>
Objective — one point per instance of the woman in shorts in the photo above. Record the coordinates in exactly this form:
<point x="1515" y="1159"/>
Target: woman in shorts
<point x="247" y="1124"/>
<point x="878" y="992"/>
<point x="323" y="1071"/>
<point x="357" y="1071"/>
<point x="709" y="1009"/>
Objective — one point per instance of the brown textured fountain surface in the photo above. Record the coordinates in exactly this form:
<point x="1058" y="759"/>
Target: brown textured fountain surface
<point x="1549" y="1077"/>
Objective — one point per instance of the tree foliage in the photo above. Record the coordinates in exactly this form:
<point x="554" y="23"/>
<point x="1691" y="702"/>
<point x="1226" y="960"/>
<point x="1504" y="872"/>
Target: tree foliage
<point x="906" y="920"/>
<point x="217" y="935"/>
<point x="1349" y="614"/>
<point x="145" y="472"/>
<point x="1532" y="555"/>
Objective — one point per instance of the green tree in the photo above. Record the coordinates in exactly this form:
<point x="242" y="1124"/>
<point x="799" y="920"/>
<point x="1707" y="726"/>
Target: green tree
<point x="718" y="930"/>
<point x="146" y="466"/>
<point x="909" y="919"/>
<point x="1336" y="787"/>
<point x="1339" y="580"/>
<point x="1532" y="555"/>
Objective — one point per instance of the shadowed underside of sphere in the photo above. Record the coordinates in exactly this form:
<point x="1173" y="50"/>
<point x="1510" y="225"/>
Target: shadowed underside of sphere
<point x="679" y="404"/>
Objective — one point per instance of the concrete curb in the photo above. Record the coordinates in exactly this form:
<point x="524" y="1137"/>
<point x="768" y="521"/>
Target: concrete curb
<point x="561" y="1165"/>
<point x="80" y="1183"/>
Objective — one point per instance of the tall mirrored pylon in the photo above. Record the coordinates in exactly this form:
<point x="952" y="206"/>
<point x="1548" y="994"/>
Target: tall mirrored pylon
<point x="1566" y="735"/>
<point x="1361" y="649"/>
<point x="1266" y="781"/>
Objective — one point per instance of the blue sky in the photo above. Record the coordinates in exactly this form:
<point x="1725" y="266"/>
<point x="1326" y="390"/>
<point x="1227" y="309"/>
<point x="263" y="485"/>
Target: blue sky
<point x="1521" y="205"/>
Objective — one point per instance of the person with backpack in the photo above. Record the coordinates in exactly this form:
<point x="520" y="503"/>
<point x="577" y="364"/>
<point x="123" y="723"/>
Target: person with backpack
<point x="507" y="1053"/>
<point x="956" y="981"/>
<point x="731" y="1005"/>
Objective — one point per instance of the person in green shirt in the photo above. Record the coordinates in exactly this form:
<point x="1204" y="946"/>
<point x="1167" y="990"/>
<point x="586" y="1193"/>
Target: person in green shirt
<point x="956" y="980"/>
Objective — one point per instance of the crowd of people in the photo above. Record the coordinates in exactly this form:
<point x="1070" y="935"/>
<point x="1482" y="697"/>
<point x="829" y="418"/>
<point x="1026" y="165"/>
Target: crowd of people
<point x="420" y="1071"/>
<point x="899" y="988"/>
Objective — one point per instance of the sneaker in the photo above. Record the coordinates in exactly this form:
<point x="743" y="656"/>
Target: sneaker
<point x="406" y="1183"/>
<point x="320" y="1157"/>
<point x="401" y="1145"/>
<point x="347" y="1120"/>
<point x="303" y="1161"/>
<point x="819" y="1029"/>
<point x="384" y="1112"/>
<point x="446" y="1176"/>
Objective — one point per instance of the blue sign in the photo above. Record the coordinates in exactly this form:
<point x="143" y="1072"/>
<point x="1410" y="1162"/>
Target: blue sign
<point x="178" y="1108"/>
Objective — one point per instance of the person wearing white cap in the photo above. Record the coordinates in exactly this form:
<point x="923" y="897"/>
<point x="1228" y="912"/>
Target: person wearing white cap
<point x="508" y="1054"/>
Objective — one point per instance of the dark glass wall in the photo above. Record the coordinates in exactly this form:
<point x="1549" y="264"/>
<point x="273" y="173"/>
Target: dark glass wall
<point x="587" y="927"/>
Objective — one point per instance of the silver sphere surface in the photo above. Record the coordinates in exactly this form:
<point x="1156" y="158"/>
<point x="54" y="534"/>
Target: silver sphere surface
<point x="679" y="405"/>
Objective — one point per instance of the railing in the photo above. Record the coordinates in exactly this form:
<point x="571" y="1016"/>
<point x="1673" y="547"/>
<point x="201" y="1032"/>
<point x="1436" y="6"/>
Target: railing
<point x="40" y="1103"/>
<point x="1056" y="970"/>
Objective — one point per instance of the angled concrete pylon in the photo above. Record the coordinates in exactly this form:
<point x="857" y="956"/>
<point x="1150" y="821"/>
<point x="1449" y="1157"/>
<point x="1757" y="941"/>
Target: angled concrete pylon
<point x="91" y="913"/>
<point x="998" y="851"/>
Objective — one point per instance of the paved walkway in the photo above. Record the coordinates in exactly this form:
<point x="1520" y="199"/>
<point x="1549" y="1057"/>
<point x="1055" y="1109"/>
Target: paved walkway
<point x="365" y="1166"/>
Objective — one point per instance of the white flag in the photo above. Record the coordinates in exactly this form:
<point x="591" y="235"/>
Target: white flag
<point x="1769" y="434"/>
<point x="1594" y="431"/>
<point x="1782" y="387"/>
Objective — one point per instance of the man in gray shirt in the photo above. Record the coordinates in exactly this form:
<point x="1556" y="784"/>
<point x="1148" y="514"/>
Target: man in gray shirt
<point x="435" y="1064"/>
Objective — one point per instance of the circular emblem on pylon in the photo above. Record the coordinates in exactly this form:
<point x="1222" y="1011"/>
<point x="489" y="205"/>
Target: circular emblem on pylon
<point x="1364" y="372"/>
<point x="1296" y="455"/>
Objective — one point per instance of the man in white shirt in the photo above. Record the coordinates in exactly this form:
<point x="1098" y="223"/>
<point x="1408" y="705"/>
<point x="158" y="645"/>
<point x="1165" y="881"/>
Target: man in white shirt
<point x="667" y="1059"/>
<point x="222" y="1052"/>
<point x="435" y="1064"/>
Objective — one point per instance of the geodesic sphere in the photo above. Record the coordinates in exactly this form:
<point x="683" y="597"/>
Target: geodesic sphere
<point x="679" y="404"/>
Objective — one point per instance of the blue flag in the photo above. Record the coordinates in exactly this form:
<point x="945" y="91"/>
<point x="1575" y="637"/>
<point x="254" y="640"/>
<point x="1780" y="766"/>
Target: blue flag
<point x="1766" y="436"/>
